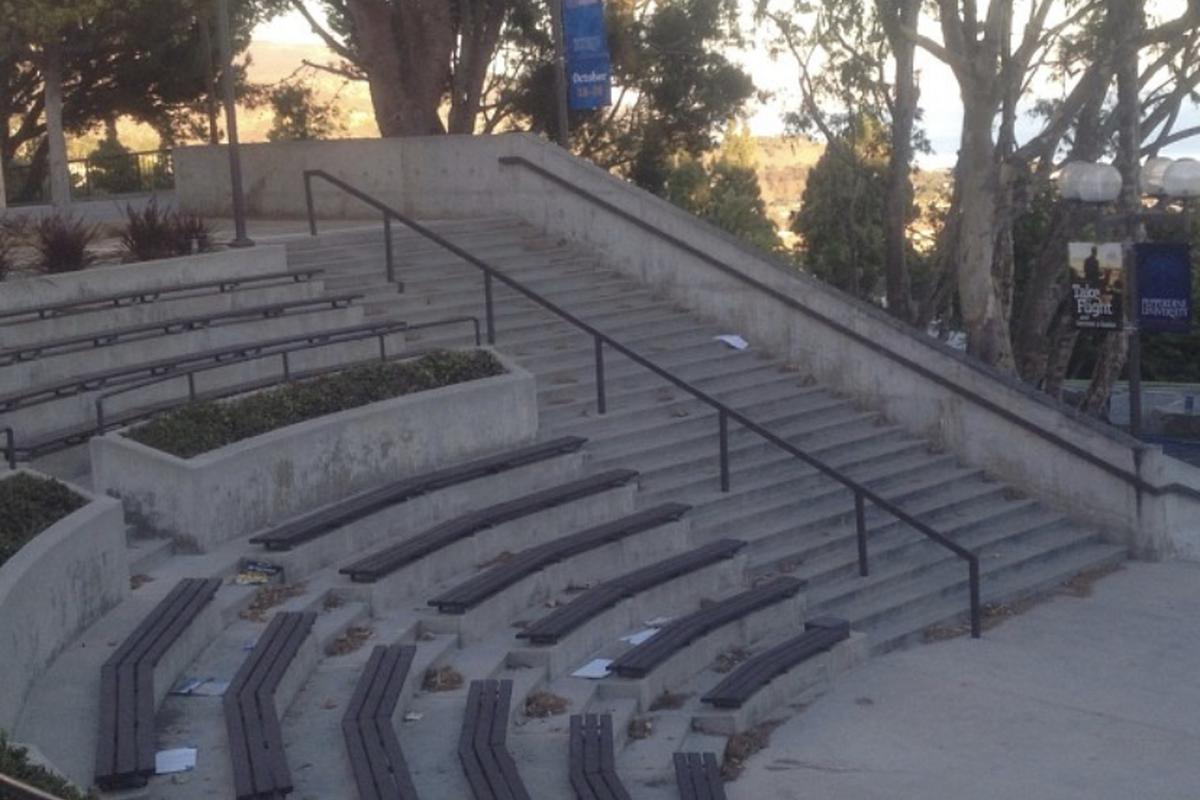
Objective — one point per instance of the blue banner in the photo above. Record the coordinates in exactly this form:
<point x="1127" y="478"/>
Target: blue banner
<point x="1164" y="277"/>
<point x="589" y="68"/>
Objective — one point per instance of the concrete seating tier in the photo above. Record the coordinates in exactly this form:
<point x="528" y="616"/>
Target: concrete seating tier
<point x="380" y="771"/>
<point x="819" y="635"/>
<point x="125" y="742"/>
<point x="377" y="565"/>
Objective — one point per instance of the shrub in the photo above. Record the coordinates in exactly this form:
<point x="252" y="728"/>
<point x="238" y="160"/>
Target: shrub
<point x="10" y="233"/>
<point x="29" y="505"/>
<point x="62" y="242"/>
<point x="156" y="233"/>
<point x="200" y="427"/>
<point x="14" y="762"/>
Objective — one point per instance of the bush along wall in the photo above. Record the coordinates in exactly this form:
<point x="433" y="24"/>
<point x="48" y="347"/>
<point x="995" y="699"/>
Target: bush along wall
<point x="200" y="427"/>
<point x="28" y="506"/>
<point x="15" y="763"/>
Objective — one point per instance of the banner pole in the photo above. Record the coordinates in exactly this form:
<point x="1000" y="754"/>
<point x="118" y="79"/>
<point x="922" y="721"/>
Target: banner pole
<point x="1133" y="321"/>
<point x="560" y="74"/>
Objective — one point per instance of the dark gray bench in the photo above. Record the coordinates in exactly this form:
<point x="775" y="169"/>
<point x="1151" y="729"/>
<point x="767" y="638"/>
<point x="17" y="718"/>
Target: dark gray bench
<point x="138" y="297"/>
<point x="386" y="561"/>
<point x="260" y="768"/>
<point x="560" y="622"/>
<point x="378" y="764"/>
<point x="641" y="660"/>
<point x="125" y="741"/>
<point x="819" y="635"/>
<point x="306" y="527"/>
<point x="474" y="591"/>
<point x="130" y="333"/>
<point x="482" y="751"/>
<point x="698" y="776"/>
<point x="592" y="764"/>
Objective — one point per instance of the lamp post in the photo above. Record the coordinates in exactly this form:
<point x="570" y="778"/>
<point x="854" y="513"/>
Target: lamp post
<point x="1161" y="178"/>
<point x="560" y="74"/>
<point x="225" y="46"/>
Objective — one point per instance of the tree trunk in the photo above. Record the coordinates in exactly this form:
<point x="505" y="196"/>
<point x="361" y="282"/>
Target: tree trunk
<point x="898" y="15"/>
<point x="212" y="103"/>
<point x="480" y="26"/>
<point x="979" y="300"/>
<point x="60" y="176"/>
<point x="405" y="51"/>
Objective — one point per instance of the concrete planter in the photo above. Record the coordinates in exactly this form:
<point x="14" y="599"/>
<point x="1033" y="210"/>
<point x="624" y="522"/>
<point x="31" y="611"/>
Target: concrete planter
<point x="245" y="486"/>
<point x="58" y="584"/>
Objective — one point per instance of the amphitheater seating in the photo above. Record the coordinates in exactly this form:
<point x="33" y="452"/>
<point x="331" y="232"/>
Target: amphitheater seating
<point x="380" y="771"/>
<point x="592" y="766"/>
<point x="125" y="740"/>
<point x="698" y="776"/>
<point x="260" y="767"/>
<point x="554" y="626"/>
<point x="472" y="592"/>
<point x="388" y="560"/>
<point x="678" y="634"/>
<point x="819" y="635"/>
<point x="305" y="528"/>
<point x="490" y="769"/>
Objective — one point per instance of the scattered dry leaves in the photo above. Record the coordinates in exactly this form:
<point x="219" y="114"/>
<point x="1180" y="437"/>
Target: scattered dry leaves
<point x="641" y="727"/>
<point x="668" y="701"/>
<point x="442" y="679"/>
<point x="353" y="639"/>
<point x="729" y="659"/>
<point x="541" y="704"/>
<point x="741" y="746"/>
<point x="267" y="597"/>
<point x="1082" y="584"/>
<point x="138" y="581"/>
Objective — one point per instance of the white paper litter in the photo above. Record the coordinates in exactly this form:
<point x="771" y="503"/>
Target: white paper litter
<point x="639" y="637"/>
<point x="200" y="687"/>
<point x="179" y="760"/>
<point x="187" y="686"/>
<point x="733" y="340"/>
<point x="414" y="716"/>
<point x="594" y="669"/>
<point x="657" y="622"/>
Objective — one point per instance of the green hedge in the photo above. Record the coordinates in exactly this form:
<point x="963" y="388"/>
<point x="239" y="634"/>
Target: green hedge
<point x="200" y="427"/>
<point x="14" y="762"/>
<point x="29" y="505"/>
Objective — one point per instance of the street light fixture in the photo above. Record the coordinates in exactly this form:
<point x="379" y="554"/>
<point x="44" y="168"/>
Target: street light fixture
<point x="1162" y="178"/>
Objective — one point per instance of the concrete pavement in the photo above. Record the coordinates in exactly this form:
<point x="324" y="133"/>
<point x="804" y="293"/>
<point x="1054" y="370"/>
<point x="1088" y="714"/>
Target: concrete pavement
<point x="1080" y="697"/>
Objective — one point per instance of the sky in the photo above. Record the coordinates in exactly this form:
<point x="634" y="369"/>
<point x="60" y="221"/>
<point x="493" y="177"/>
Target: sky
<point x="942" y="112"/>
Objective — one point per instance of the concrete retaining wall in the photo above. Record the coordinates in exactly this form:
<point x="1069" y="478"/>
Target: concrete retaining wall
<point x="55" y="586"/>
<point x="1071" y="462"/>
<point x="248" y="485"/>
<point x="143" y="276"/>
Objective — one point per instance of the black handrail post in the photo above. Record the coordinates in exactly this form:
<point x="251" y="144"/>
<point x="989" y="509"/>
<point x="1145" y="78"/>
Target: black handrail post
<point x="387" y="248"/>
<point x="860" y="519"/>
<point x="488" y="309"/>
<point x="601" y="400"/>
<point x="383" y="347"/>
<point x="287" y="366"/>
<point x="723" y="424"/>
<point x="976" y="604"/>
<point x="308" y="200"/>
<point x="478" y="335"/>
<point x="10" y="447"/>
<point x="191" y="387"/>
<point x="100" y="414"/>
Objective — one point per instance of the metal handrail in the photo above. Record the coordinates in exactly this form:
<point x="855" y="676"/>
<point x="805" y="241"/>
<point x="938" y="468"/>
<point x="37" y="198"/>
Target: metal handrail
<point x="724" y="412"/>
<point x="1136" y="481"/>
<point x="387" y="213"/>
<point x="22" y="790"/>
<point x="190" y="374"/>
<point x="137" y="297"/>
<point x="10" y="446"/>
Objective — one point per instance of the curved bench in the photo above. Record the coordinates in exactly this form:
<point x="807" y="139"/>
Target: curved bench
<point x="386" y="561"/>
<point x="549" y="629"/>
<point x="593" y="766"/>
<point x="472" y="592"/>
<point x="678" y="634"/>
<point x="490" y="769"/>
<point x="698" y="776"/>
<point x="305" y="528"/>
<point x="819" y="635"/>
<point x="260" y="768"/>
<point x="125" y="742"/>
<point x="380" y="770"/>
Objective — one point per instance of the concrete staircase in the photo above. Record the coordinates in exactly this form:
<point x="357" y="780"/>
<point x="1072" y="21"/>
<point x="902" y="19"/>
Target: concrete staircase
<point x="798" y="522"/>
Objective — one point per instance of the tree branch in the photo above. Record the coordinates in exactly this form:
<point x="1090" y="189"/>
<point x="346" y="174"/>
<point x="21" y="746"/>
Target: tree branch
<point x="330" y="40"/>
